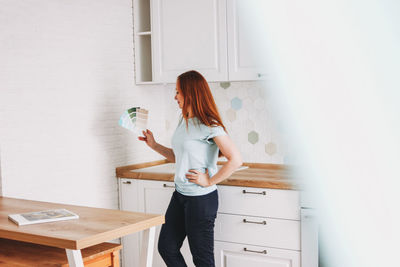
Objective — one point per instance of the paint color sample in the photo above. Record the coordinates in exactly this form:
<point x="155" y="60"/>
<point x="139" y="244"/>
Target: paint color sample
<point x="134" y="119"/>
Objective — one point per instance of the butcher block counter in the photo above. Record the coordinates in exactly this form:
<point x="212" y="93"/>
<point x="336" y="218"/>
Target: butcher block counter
<point x="261" y="175"/>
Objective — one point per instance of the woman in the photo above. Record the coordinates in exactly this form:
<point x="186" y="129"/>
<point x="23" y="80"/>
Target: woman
<point x="198" y="140"/>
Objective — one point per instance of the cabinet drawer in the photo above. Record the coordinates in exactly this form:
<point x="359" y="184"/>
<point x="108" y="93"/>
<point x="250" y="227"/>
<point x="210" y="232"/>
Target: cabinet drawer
<point x="238" y="255"/>
<point x="263" y="202"/>
<point x="258" y="231"/>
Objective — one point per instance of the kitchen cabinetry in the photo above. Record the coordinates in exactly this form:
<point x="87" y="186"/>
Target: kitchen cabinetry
<point x="309" y="231"/>
<point x="214" y="37"/>
<point x="239" y="255"/>
<point x="150" y="197"/>
<point x="143" y="39"/>
<point x="257" y="227"/>
<point x="189" y="34"/>
<point x="254" y="226"/>
<point x="247" y="41"/>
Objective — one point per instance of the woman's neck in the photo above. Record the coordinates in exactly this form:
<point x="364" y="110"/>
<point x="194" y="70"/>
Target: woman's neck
<point x="190" y="113"/>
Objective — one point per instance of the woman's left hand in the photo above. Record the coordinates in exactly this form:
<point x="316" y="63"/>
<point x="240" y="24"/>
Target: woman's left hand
<point x="197" y="177"/>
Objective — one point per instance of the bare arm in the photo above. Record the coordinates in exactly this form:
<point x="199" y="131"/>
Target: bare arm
<point x="165" y="151"/>
<point x="151" y="142"/>
<point x="231" y="153"/>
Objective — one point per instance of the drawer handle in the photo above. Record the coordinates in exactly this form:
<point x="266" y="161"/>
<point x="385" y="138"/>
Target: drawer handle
<point x="255" y="251"/>
<point x="259" y="75"/>
<point x="263" y="222"/>
<point x="256" y="193"/>
<point x="169" y="186"/>
<point x="128" y="182"/>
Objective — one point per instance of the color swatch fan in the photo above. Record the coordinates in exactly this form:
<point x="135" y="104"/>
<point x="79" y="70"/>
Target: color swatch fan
<point x="134" y="119"/>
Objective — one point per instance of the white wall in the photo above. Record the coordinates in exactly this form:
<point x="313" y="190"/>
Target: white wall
<point x="1" y="189"/>
<point x="66" y="76"/>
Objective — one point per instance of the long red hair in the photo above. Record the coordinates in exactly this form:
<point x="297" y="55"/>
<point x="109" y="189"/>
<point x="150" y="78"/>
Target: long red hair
<point x="197" y="96"/>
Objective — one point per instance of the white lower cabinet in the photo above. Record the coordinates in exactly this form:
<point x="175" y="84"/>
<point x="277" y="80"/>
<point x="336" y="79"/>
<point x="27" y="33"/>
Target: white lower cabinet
<point x="150" y="197"/>
<point x="263" y="202"/>
<point x="258" y="231"/>
<point x="255" y="227"/>
<point x="240" y="255"/>
<point x="129" y="201"/>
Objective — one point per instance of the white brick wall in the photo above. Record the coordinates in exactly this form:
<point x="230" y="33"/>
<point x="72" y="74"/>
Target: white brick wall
<point x="66" y="75"/>
<point x="1" y="190"/>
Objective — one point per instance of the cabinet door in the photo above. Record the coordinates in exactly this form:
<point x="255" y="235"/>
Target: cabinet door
<point x="189" y="34"/>
<point x="239" y="255"/>
<point x="154" y="197"/>
<point x="129" y="201"/>
<point x="259" y="231"/>
<point x="260" y="202"/>
<point x="309" y="238"/>
<point x="247" y="43"/>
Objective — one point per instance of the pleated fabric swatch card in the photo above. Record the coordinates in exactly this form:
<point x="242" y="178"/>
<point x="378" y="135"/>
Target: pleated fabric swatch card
<point x="134" y="119"/>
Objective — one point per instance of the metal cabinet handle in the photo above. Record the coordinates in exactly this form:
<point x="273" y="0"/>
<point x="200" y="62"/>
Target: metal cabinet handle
<point x="255" y="251"/>
<point x="127" y="182"/>
<point x="261" y="75"/>
<point x="263" y="222"/>
<point x="256" y="193"/>
<point x="169" y="186"/>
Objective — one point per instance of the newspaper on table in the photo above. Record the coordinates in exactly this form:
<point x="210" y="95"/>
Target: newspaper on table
<point x="42" y="216"/>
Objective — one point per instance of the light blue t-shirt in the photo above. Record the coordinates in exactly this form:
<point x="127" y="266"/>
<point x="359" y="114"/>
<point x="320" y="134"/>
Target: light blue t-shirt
<point x="194" y="148"/>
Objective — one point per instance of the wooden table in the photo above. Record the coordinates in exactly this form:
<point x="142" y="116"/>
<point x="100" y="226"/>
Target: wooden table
<point x="22" y="254"/>
<point x="94" y="226"/>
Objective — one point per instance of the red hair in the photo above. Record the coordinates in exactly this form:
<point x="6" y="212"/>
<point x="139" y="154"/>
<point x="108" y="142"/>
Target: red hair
<point x="197" y="95"/>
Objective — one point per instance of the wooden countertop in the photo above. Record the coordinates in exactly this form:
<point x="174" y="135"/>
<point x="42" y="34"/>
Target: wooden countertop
<point x="274" y="176"/>
<point x="94" y="225"/>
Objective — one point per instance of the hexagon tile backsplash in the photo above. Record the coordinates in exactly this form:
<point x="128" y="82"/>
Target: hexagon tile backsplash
<point x="249" y="121"/>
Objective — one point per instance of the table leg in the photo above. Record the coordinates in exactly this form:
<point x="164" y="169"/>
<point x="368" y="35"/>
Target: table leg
<point x="74" y="258"/>
<point x="146" y="253"/>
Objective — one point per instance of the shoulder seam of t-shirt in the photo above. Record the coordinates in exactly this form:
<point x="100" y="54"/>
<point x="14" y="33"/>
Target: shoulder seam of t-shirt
<point x="216" y="133"/>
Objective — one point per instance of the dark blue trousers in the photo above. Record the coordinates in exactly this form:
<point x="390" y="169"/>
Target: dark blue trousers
<point x="194" y="217"/>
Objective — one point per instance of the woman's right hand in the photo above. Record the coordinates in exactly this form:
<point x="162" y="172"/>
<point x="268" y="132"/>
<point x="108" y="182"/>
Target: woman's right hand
<point x="148" y="138"/>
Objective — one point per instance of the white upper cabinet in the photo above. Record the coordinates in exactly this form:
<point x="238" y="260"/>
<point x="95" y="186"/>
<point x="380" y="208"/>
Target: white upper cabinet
<point x="143" y="39"/>
<point x="247" y="40"/>
<point x="219" y="38"/>
<point x="189" y="34"/>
